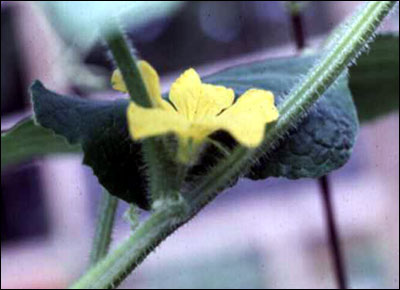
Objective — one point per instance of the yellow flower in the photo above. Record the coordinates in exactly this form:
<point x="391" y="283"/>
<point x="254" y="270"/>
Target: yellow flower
<point x="198" y="110"/>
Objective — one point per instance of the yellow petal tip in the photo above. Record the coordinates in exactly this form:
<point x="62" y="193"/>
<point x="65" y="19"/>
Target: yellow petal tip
<point x="117" y="81"/>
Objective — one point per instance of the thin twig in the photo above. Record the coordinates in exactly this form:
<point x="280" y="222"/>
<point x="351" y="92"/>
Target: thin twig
<point x="298" y="30"/>
<point x="333" y="234"/>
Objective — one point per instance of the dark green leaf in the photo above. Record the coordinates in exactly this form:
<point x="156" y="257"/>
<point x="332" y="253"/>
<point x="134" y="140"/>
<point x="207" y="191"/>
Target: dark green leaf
<point x="26" y="140"/>
<point x="101" y="128"/>
<point x="374" y="81"/>
<point x="322" y="142"/>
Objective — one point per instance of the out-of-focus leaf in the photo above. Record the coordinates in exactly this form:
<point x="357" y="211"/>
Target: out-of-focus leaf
<point x="81" y="21"/>
<point x="374" y="81"/>
<point x="321" y="143"/>
<point x="27" y="140"/>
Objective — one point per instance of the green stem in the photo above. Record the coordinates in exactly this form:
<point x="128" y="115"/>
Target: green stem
<point x="162" y="170"/>
<point x="110" y="272"/>
<point x="105" y="222"/>
<point x="126" y="63"/>
<point x="113" y="269"/>
<point x="159" y="168"/>
<point x="350" y="44"/>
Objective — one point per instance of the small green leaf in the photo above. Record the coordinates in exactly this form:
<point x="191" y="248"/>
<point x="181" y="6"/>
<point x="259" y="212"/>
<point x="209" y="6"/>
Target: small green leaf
<point x="321" y="143"/>
<point x="374" y="81"/>
<point x="26" y="140"/>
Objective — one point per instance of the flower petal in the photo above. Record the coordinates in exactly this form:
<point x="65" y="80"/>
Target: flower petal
<point x="151" y="81"/>
<point x="213" y="100"/>
<point x="149" y="76"/>
<point x="185" y="92"/>
<point x="117" y="81"/>
<point x="149" y="122"/>
<point x="247" y="118"/>
<point x="196" y="100"/>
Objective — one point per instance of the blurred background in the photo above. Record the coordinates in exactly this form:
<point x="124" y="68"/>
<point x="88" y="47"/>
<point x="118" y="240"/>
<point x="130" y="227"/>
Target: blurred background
<point x="265" y="234"/>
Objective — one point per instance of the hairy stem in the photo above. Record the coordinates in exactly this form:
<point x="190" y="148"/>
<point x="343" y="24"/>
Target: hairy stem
<point x="126" y="63"/>
<point x="114" y="268"/>
<point x="158" y="165"/>
<point x="110" y="272"/>
<point x="105" y="222"/>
